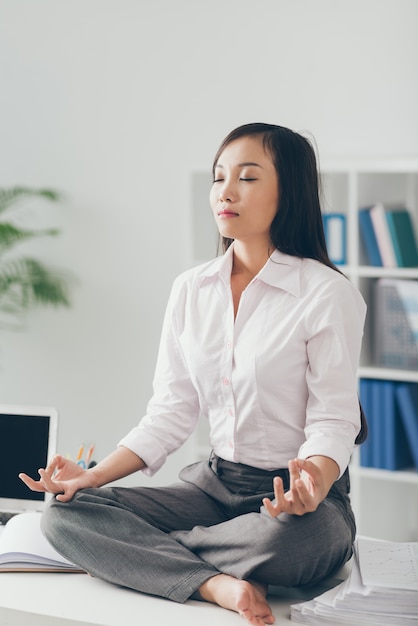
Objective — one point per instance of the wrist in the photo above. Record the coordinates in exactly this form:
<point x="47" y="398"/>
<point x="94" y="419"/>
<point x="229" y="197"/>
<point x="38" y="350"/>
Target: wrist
<point x="95" y="480"/>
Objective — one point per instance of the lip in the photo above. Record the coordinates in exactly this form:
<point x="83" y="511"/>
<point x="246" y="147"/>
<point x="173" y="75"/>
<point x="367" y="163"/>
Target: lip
<point x="225" y="213"/>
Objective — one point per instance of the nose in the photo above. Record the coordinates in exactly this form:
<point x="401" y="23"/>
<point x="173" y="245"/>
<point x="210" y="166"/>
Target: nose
<point x="226" y="191"/>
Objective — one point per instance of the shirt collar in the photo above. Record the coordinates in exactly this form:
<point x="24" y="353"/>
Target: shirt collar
<point x="281" y="270"/>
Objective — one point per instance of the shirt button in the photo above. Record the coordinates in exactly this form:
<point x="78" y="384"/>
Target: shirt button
<point x="229" y="345"/>
<point x="225" y="380"/>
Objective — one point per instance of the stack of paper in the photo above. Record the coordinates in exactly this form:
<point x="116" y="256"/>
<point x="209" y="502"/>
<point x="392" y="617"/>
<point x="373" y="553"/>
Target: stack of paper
<point x="381" y="589"/>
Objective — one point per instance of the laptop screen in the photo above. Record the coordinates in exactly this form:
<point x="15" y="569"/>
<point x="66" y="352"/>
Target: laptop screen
<point x="28" y="437"/>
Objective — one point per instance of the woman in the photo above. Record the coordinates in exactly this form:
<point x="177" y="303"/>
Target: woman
<point x="265" y="342"/>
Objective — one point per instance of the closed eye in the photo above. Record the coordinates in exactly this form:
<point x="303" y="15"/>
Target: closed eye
<point x="246" y="180"/>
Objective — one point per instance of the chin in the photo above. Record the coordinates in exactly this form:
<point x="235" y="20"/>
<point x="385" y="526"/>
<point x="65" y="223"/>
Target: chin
<point x="225" y="231"/>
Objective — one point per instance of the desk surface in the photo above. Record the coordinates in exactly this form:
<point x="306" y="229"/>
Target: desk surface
<point x="60" y="599"/>
<point x="50" y="599"/>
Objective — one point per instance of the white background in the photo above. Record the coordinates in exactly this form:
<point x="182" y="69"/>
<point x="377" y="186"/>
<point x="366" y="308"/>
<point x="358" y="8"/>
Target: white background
<point x="115" y="103"/>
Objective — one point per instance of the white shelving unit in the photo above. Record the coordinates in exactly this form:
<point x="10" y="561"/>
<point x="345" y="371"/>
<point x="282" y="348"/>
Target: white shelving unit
<point x="385" y="502"/>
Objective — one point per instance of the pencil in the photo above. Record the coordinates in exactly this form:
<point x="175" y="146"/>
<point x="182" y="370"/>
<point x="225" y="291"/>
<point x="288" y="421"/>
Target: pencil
<point x="89" y="455"/>
<point x="80" y="453"/>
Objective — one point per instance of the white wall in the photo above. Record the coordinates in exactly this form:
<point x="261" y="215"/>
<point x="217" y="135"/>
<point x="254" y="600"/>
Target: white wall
<point x="116" y="102"/>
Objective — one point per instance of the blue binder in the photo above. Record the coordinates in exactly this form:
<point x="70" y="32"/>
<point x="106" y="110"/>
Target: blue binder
<point x="368" y="238"/>
<point x="335" y="237"/>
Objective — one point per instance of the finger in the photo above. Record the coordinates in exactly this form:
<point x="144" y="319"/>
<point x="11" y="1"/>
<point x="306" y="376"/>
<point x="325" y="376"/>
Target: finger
<point x="61" y="490"/>
<point x="289" y="501"/>
<point x="309" y="474"/>
<point x="304" y="501"/>
<point x="54" y="465"/>
<point x="302" y="492"/>
<point x="32" y="484"/>
<point x="294" y="472"/>
<point x="279" y="492"/>
<point x="282" y="500"/>
<point x="271" y="508"/>
<point x="278" y="486"/>
<point x="66" y="496"/>
<point x="308" y="467"/>
<point x="52" y="486"/>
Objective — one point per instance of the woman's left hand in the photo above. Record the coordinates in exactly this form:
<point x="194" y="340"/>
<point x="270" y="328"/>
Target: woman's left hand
<point x="310" y="482"/>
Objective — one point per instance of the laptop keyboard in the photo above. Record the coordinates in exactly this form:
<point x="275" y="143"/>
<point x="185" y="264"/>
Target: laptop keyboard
<point x="4" y="517"/>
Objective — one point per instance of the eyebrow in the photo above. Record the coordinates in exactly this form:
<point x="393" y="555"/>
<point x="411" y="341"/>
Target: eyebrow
<point x="246" y="164"/>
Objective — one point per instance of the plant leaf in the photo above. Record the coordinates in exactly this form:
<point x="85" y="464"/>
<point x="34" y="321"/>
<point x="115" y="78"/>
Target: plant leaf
<point x="12" y="195"/>
<point x="46" y="287"/>
<point x="11" y="235"/>
<point x="26" y="282"/>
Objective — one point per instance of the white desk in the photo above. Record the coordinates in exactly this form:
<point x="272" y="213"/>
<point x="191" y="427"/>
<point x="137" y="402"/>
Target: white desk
<point x="61" y="599"/>
<point x="38" y="599"/>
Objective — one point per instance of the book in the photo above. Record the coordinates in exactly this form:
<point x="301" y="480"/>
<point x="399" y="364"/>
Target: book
<point x="407" y="397"/>
<point x="368" y="237"/>
<point x="23" y="547"/>
<point x="377" y="430"/>
<point x="403" y="237"/>
<point x="335" y="237"/>
<point x="396" y="453"/>
<point x="383" y="235"/>
<point x="366" y="448"/>
<point x="395" y="323"/>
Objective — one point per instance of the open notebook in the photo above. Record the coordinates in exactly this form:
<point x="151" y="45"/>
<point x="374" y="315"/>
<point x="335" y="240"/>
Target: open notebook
<point x="28" y="440"/>
<point x="23" y="547"/>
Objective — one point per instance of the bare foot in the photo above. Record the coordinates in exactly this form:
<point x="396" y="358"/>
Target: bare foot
<point x="247" y="599"/>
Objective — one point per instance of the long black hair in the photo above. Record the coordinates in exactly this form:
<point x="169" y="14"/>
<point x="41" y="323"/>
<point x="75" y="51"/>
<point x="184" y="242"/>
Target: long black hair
<point x="297" y="227"/>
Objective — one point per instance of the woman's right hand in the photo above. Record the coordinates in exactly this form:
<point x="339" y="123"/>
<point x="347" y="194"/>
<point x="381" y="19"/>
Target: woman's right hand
<point x="61" y="477"/>
<point x="64" y="478"/>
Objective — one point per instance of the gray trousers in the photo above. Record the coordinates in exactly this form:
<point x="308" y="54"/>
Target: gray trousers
<point x="167" y="541"/>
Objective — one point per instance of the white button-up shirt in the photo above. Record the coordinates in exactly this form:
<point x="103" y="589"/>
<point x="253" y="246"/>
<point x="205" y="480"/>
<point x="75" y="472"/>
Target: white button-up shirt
<point x="277" y="382"/>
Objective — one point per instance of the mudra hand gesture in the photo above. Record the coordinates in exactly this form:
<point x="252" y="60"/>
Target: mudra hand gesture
<point x="310" y="482"/>
<point x="61" y="477"/>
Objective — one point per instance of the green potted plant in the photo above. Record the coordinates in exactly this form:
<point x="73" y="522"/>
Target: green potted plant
<point x="25" y="282"/>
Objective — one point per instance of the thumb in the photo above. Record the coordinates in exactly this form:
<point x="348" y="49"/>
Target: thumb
<point x="65" y="496"/>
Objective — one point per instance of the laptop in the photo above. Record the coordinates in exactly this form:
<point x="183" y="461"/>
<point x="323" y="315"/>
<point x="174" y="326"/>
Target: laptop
<point x="28" y="440"/>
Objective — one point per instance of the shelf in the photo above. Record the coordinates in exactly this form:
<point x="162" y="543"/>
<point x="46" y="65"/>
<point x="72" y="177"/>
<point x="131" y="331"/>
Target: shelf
<point x="384" y="373"/>
<point x="347" y="186"/>
<point x="378" y="165"/>
<point x="403" y="476"/>
<point x="384" y="272"/>
<point x="369" y="271"/>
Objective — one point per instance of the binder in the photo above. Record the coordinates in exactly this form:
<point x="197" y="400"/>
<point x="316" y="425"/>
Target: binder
<point x="403" y="236"/>
<point x="395" y="339"/>
<point x="395" y="446"/>
<point x="335" y="237"/>
<point x="383" y="235"/>
<point x="366" y="450"/>
<point x="368" y="237"/>
<point x="377" y="431"/>
<point x="407" y="397"/>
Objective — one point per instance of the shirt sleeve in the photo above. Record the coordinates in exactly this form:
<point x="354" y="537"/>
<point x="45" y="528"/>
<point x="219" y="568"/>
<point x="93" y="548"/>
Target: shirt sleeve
<point x="173" y="411"/>
<point x="333" y="348"/>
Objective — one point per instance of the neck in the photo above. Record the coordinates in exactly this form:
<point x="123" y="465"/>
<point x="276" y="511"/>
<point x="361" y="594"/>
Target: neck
<point x="249" y="260"/>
